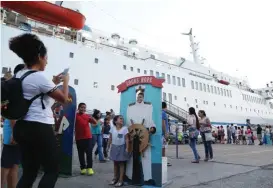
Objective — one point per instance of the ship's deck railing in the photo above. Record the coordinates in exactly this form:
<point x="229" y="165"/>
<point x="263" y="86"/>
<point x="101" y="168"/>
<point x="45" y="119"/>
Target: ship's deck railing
<point x="16" y="20"/>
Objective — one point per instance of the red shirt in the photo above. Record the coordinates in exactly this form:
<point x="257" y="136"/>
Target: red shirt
<point x="82" y="129"/>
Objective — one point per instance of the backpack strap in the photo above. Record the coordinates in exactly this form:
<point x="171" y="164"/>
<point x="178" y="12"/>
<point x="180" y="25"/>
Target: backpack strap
<point x="27" y="74"/>
<point x="37" y="96"/>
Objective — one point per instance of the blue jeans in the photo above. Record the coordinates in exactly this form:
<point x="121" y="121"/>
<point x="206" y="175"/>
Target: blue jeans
<point x="208" y="147"/>
<point x="97" y="139"/>
<point x="193" y="147"/>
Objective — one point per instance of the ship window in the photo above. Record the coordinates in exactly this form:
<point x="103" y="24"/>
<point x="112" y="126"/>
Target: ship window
<point x="211" y="89"/>
<point x="175" y="97"/>
<point x="76" y="82"/>
<point x="230" y="106"/>
<point x="163" y="75"/>
<point x="218" y="90"/>
<point x="236" y="107"/>
<point x="138" y="70"/>
<point x="222" y="91"/>
<point x="178" y="81"/>
<point x="207" y="102"/>
<point x="151" y="72"/>
<point x="246" y="109"/>
<point x="112" y="87"/>
<point x="185" y="99"/>
<point x="196" y="85"/>
<point x="215" y="91"/>
<point x="124" y="67"/>
<point x="95" y="84"/>
<point x="225" y="105"/>
<point x="188" y="105"/>
<point x="192" y="84"/>
<point x="157" y="74"/>
<point x="96" y="60"/>
<point x="145" y="72"/>
<point x="196" y="106"/>
<point x="174" y="81"/>
<point x="228" y="93"/>
<point x="132" y="69"/>
<point x="204" y="87"/>
<point x="208" y="88"/>
<point x="204" y="102"/>
<point x="5" y="70"/>
<point x="196" y="100"/>
<point x="241" y="108"/>
<point x="183" y="82"/>
<point x="225" y="92"/>
<point x="200" y="85"/>
<point x="168" y="79"/>
<point x="214" y="103"/>
<point x="71" y="55"/>
<point x="164" y="96"/>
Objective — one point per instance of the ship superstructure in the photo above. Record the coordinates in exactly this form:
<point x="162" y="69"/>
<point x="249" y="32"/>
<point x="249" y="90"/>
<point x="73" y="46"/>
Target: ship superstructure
<point x="99" y="62"/>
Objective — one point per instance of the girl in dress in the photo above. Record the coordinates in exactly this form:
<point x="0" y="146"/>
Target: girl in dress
<point x="119" y="141"/>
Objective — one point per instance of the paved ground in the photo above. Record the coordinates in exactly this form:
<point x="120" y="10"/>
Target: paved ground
<point x="233" y="167"/>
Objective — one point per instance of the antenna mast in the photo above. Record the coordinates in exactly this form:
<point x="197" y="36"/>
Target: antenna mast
<point x="194" y="46"/>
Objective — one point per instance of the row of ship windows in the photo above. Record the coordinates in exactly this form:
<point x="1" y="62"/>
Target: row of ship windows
<point x="182" y="82"/>
<point x="253" y="99"/>
<point x="214" y="104"/>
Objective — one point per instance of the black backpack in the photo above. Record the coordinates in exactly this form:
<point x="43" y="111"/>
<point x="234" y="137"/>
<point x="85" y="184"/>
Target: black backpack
<point x="13" y="104"/>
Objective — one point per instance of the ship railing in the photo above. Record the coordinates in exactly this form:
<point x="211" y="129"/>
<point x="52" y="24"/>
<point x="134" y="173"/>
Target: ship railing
<point x="176" y="111"/>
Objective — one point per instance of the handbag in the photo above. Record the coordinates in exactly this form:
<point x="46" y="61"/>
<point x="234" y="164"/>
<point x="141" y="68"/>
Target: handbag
<point x="193" y="133"/>
<point x="208" y="136"/>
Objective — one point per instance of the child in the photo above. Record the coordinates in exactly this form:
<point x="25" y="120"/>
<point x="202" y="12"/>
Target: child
<point x="119" y="141"/>
<point x="105" y="134"/>
<point x="83" y="138"/>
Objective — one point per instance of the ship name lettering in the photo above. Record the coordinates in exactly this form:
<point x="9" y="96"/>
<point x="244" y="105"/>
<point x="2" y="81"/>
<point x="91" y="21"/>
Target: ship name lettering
<point x="132" y="82"/>
<point x="146" y="80"/>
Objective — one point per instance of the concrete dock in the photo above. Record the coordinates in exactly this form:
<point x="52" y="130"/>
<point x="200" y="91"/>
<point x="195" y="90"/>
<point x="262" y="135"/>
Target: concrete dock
<point x="234" y="166"/>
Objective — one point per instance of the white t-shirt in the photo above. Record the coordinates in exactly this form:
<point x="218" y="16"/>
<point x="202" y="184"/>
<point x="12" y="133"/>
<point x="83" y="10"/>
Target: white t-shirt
<point x="191" y="120"/>
<point x="33" y="85"/>
<point x="118" y="136"/>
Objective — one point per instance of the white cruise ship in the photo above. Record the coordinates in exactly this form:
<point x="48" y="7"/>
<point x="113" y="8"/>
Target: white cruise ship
<point x="99" y="62"/>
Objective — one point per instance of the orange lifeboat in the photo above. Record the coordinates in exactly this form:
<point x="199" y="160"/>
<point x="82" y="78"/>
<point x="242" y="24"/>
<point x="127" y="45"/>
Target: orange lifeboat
<point x="47" y="13"/>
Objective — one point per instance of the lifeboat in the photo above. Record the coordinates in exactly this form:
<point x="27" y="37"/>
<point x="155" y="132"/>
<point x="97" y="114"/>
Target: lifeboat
<point x="223" y="82"/>
<point x="47" y="12"/>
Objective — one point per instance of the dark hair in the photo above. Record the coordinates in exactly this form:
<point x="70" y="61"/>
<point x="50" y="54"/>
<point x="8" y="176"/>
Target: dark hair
<point x="18" y="68"/>
<point x="192" y="112"/>
<point x="3" y="79"/>
<point x="28" y="47"/>
<point x="115" y="119"/>
<point x="203" y="112"/>
<point x="95" y="114"/>
<point x="81" y="104"/>
<point x="164" y="105"/>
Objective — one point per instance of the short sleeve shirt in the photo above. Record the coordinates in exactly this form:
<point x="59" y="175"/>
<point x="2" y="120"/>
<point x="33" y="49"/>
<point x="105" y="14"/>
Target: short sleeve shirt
<point x="118" y="136"/>
<point x="165" y="119"/>
<point x="33" y="85"/>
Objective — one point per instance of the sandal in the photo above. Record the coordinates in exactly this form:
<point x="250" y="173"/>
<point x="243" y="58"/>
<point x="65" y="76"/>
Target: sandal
<point x="113" y="182"/>
<point x="119" y="184"/>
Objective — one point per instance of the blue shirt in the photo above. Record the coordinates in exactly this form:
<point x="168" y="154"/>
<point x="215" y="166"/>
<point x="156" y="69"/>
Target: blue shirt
<point x="165" y="119"/>
<point x="96" y="129"/>
<point x="7" y="131"/>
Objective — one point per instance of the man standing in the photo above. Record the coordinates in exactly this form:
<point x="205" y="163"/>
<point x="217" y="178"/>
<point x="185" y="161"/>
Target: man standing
<point x="259" y="134"/>
<point x="233" y="131"/>
<point x="229" y="134"/>
<point x="165" y="130"/>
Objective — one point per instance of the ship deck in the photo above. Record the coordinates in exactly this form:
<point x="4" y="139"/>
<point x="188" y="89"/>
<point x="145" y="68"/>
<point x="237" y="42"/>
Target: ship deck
<point x="235" y="166"/>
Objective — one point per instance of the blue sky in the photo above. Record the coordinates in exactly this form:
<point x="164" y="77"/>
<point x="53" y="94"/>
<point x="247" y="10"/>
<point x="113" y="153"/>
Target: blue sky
<point x="233" y="35"/>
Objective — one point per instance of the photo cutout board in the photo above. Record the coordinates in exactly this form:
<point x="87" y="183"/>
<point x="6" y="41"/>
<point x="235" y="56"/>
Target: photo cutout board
<point x="141" y="106"/>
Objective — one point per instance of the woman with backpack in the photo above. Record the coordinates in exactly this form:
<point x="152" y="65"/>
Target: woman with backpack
<point x="34" y="133"/>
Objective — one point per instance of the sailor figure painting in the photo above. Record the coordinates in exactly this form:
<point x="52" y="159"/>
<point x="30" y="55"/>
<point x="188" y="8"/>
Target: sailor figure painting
<point x="140" y="113"/>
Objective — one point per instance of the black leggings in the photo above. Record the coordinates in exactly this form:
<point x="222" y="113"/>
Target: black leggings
<point x="38" y="147"/>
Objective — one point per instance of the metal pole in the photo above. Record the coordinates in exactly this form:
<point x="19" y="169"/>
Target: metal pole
<point x="176" y="141"/>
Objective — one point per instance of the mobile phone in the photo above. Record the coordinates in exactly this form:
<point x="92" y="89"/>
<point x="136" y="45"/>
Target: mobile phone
<point x="65" y="71"/>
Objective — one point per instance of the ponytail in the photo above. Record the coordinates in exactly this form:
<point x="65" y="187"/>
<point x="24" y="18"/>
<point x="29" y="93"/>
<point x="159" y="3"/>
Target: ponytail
<point x="197" y="122"/>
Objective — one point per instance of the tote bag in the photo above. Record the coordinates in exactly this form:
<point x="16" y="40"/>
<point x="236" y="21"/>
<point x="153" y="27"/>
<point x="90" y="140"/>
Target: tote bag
<point x="208" y="136"/>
